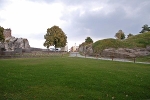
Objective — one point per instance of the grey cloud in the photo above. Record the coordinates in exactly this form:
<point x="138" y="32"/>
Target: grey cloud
<point x="129" y="16"/>
<point x="106" y="25"/>
<point x="79" y="2"/>
<point x="2" y="3"/>
<point x="99" y="24"/>
<point x="48" y="1"/>
<point x="67" y="2"/>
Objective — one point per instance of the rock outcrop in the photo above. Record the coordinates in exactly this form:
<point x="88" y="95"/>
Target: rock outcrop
<point x="117" y="53"/>
<point x="14" y="44"/>
<point x="11" y="43"/>
<point x="125" y="52"/>
<point x="87" y="49"/>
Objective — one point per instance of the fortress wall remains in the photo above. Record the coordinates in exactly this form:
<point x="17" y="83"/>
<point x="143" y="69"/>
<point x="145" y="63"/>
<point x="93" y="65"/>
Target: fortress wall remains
<point x="7" y="33"/>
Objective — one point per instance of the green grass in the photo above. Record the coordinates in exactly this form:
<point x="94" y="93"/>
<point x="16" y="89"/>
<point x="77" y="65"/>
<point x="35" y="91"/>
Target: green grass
<point x="64" y="78"/>
<point x="143" y="59"/>
<point x="107" y="43"/>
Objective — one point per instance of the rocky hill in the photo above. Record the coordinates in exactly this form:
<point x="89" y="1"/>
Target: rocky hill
<point x="134" y="46"/>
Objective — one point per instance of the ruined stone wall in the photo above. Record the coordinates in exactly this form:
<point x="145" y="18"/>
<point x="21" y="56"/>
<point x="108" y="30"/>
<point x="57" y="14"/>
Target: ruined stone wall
<point x="12" y="43"/>
<point x="7" y="33"/>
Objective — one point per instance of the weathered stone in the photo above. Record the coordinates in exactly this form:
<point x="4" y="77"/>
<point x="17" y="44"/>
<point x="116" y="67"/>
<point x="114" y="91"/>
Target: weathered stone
<point x="130" y="50"/>
<point x="118" y="53"/>
<point x="120" y="50"/>
<point x="11" y="43"/>
<point x="14" y="44"/>
<point x="148" y="48"/>
<point x="18" y="50"/>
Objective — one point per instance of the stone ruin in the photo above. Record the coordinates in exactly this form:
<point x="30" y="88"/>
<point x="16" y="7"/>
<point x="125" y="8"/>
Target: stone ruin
<point x="11" y="43"/>
<point x="14" y="44"/>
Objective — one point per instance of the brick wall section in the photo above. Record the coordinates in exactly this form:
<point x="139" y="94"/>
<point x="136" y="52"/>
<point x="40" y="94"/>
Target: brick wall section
<point x="7" y="33"/>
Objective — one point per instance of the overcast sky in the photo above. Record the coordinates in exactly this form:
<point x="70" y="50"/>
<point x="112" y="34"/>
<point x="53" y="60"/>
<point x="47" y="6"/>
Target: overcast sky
<point x="79" y="19"/>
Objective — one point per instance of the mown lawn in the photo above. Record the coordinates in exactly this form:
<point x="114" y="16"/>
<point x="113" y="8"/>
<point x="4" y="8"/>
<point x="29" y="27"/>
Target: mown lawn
<point x="65" y="78"/>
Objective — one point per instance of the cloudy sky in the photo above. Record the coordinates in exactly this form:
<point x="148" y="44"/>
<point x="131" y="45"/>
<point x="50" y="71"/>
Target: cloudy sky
<point x="79" y="19"/>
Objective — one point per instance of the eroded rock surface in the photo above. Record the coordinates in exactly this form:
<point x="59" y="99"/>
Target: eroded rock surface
<point x="118" y="53"/>
<point x="11" y="43"/>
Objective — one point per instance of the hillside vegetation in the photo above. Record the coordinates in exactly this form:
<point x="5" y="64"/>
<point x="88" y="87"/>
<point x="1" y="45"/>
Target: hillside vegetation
<point x="136" y="41"/>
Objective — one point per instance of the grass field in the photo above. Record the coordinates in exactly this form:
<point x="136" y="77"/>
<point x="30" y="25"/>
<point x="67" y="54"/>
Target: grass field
<point x="143" y="59"/>
<point x="65" y="78"/>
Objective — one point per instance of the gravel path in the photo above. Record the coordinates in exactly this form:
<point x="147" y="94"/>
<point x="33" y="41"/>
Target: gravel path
<point x="76" y="54"/>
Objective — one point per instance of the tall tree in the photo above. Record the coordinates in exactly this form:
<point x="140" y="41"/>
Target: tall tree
<point x="55" y="37"/>
<point x="120" y="35"/>
<point x="88" y="40"/>
<point x="145" y="28"/>
<point x="1" y="34"/>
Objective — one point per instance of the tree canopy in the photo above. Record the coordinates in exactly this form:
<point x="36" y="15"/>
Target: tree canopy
<point x="1" y="34"/>
<point x="120" y="35"/>
<point x="55" y="37"/>
<point x="129" y="35"/>
<point x="145" y="28"/>
<point x="88" y="40"/>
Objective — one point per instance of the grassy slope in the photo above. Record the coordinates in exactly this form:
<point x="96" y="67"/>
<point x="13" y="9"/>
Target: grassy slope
<point x="107" y="43"/>
<point x="140" y="40"/>
<point x="73" y="79"/>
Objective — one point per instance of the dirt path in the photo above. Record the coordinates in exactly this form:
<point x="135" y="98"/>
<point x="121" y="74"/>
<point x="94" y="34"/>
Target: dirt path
<point x="76" y="54"/>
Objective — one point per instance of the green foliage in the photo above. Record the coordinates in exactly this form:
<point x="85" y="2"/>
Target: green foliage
<point x="100" y="45"/>
<point x="88" y="40"/>
<point x="140" y="40"/>
<point x="145" y="28"/>
<point x="129" y="35"/>
<point x="120" y="35"/>
<point x="1" y="34"/>
<point x="55" y="37"/>
<point x="62" y="78"/>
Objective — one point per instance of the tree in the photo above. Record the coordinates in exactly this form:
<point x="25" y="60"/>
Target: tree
<point x="120" y="35"/>
<point x="88" y="40"/>
<point x="129" y="35"/>
<point x="55" y="37"/>
<point x="145" y="28"/>
<point x="1" y="34"/>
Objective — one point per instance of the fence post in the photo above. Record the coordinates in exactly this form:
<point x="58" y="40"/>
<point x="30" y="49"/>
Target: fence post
<point x="134" y="59"/>
<point x="96" y="56"/>
<point x="112" y="58"/>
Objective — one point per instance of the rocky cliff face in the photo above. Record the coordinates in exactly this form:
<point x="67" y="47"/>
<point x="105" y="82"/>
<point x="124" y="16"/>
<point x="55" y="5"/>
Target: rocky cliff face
<point x="11" y="43"/>
<point x="118" y="53"/>
<point x="125" y="52"/>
